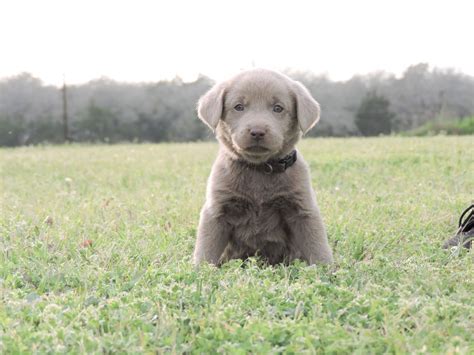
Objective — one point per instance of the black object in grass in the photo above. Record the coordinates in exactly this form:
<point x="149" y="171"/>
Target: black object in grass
<point x="465" y="233"/>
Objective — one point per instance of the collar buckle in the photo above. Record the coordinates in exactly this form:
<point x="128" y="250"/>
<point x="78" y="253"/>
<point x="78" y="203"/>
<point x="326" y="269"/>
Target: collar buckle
<point x="275" y="166"/>
<point x="280" y="166"/>
<point x="268" y="168"/>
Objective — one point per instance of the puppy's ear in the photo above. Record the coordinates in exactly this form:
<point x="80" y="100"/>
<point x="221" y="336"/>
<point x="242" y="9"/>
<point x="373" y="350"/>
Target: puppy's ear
<point x="211" y="105"/>
<point x="307" y="108"/>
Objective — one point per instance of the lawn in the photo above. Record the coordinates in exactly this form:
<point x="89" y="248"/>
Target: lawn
<point x="96" y="245"/>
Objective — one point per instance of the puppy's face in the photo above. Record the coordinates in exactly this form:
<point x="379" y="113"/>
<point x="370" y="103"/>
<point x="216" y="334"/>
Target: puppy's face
<point x="258" y="114"/>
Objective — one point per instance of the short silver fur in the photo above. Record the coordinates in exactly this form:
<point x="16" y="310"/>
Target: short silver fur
<point x="248" y="212"/>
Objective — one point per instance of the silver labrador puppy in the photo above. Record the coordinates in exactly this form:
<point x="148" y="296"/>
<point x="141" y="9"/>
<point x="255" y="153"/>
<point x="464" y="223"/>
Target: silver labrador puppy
<point x="259" y="198"/>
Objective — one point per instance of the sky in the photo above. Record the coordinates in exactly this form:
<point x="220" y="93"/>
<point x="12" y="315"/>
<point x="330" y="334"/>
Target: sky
<point x="148" y="41"/>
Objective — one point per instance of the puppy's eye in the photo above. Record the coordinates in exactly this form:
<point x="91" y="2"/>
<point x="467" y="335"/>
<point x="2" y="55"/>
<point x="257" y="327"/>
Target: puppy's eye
<point x="239" y="107"/>
<point x="277" y="108"/>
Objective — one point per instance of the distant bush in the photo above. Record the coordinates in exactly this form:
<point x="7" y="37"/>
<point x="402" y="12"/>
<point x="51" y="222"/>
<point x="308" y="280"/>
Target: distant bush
<point x="464" y="126"/>
<point x="373" y="117"/>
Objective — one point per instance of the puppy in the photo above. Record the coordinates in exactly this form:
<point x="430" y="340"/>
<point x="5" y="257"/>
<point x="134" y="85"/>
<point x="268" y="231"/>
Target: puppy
<point x="259" y="198"/>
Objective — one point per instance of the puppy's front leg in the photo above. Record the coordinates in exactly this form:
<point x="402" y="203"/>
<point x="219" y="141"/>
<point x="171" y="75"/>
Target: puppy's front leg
<point x="309" y="238"/>
<point x="212" y="238"/>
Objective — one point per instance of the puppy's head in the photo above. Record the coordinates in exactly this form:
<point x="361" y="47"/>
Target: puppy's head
<point x="258" y="114"/>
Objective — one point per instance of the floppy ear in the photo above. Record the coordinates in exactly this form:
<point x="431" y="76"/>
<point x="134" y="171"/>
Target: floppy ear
<point x="211" y="106"/>
<point x="307" y="108"/>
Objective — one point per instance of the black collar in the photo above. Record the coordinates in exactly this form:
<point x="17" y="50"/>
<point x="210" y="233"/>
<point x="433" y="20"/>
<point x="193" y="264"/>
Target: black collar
<point x="274" y="166"/>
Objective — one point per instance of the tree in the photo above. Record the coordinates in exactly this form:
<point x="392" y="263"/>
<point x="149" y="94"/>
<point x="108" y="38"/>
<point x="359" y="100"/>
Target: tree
<point x="111" y="111"/>
<point x="373" y="116"/>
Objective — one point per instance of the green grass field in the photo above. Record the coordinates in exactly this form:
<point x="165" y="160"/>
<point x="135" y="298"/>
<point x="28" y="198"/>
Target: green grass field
<point x="96" y="244"/>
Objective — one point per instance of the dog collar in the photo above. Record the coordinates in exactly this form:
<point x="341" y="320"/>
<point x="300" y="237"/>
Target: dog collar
<point x="277" y="165"/>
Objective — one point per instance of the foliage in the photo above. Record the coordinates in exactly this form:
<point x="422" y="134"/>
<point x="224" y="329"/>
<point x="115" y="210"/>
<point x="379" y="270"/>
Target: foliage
<point x="96" y="243"/>
<point x="373" y="117"/>
<point x="104" y="110"/>
<point x="464" y="126"/>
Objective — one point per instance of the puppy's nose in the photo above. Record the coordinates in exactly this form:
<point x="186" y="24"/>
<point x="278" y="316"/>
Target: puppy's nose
<point x="257" y="133"/>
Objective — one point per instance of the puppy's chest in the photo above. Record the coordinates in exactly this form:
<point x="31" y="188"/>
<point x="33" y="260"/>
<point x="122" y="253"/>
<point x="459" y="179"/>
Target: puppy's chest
<point x="264" y="219"/>
<point x="242" y="208"/>
<point x="257" y="198"/>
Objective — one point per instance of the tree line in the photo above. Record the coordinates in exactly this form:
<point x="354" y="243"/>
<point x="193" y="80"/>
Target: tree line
<point x="105" y="110"/>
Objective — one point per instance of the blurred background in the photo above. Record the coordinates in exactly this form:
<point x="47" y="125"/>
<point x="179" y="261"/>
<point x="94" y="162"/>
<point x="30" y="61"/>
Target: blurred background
<point x="116" y="71"/>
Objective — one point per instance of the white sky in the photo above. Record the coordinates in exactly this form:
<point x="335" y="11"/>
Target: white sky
<point x="139" y="40"/>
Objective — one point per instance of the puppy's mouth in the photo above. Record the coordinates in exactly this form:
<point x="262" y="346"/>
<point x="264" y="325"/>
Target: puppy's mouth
<point x="257" y="149"/>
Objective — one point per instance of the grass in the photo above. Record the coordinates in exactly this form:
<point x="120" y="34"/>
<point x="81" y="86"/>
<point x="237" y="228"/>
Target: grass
<point x="462" y="126"/>
<point x="96" y="243"/>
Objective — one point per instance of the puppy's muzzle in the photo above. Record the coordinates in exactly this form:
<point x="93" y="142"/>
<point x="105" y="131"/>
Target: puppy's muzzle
<point x="257" y="134"/>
